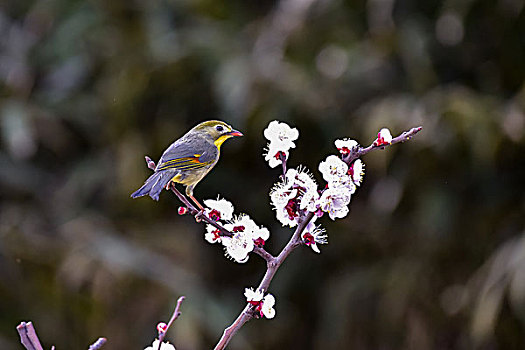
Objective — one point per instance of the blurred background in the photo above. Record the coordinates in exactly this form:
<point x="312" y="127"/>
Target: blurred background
<point x="432" y="255"/>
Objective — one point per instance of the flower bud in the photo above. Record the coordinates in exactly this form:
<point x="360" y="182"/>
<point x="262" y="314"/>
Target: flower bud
<point x="161" y="327"/>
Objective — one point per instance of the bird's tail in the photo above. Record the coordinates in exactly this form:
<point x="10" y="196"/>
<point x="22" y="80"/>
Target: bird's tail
<point x="154" y="184"/>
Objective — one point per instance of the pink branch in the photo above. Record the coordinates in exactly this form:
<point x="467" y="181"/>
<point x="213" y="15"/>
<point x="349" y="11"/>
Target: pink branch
<point x="200" y="217"/>
<point x="98" y="344"/>
<point x="274" y="263"/>
<point x="191" y="208"/>
<point x="358" y="152"/>
<point x="174" y="316"/>
<point x="282" y="156"/>
<point x="30" y="340"/>
<point x="28" y="336"/>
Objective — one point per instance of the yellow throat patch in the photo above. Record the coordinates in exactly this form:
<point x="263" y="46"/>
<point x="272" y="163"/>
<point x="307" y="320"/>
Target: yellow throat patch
<point x="221" y="140"/>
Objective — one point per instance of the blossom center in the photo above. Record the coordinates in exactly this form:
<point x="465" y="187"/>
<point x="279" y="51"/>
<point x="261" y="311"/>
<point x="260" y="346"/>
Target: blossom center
<point x="344" y="150"/>
<point x="239" y="228"/>
<point x="279" y="154"/>
<point x="214" y="215"/>
<point x="351" y="170"/>
<point x="308" y="238"/>
<point x="216" y="235"/>
<point x="259" y="242"/>
<point x="291" y="209"/>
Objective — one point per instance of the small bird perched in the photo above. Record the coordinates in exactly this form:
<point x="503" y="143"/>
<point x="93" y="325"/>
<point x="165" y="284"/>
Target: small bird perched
<point x="188" y="159"/>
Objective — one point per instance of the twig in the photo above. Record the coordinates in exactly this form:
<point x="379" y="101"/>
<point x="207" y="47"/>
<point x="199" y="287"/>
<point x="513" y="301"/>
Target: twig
<point x="263" y="254"/>
<point x="28" y="336"/>
<point x="198" y="214"/>
<point x="30" y="340"/>
<point x="274" y="263"/>
<point x="98" y="344"/>
<point x="358" y="152"/>
<point x="200" y="217"/>
<point x="174" y="316"/>
<point x="282" y="157"/>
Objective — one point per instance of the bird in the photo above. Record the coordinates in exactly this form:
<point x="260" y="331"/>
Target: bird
<point x="188" y="159"/>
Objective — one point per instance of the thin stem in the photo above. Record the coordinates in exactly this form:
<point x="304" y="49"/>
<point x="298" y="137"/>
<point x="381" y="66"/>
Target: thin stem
<point x="28" y="336"/>
<point x="198" y="213"/>
<point x="191" y="208"/>
<point x="98" y="344"/>
<point x="174" y="316"/>
<point x="283" y="159"/>
<point x="358" y="152"/>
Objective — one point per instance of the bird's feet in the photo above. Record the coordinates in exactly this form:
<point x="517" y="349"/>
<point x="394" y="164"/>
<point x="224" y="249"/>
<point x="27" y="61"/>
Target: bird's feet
<point x="200" y="214"/>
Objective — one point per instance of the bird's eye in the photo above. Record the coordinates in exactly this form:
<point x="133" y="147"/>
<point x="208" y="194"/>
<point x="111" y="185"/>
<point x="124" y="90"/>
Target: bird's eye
<point x="219" y="128"/>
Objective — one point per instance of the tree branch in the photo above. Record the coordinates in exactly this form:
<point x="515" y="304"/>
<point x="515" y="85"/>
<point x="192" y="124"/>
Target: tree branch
<point x="189" y="206"/>
<point x="272" y="267"/>
<point x="28" y="336"/>
<point x="274" y="263"/>
<point x="200" y="217"/>
<point x="174" y="316"/>
<point x="30" y="340"/>
<point x="358" y="152"/>
<point x="98" y="344"/>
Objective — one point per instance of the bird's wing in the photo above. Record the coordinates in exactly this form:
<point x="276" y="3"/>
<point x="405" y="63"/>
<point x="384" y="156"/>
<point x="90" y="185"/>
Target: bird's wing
<point x="185" y="155"/>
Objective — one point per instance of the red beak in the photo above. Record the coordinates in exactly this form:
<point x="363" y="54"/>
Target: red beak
<point x="235" y="133"/>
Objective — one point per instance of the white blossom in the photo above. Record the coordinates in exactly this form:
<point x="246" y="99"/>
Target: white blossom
<point x="298" y="191"/>
<point x="238" y="246"/>
<point x="345" y="145"/>
<point x="281" y="135"/>
<point x="281" y="138"/>
<point x="309" y="200"/>
<point x="357" y="171"/>
<point x="334" y="201"/>
<point x="253" y="296"/>
<point x="267" y="309"/>
<point x="288" y="214"/>
<point x="163" y="346"/>
<point x="263" y="303"/>
<point x="272" y="155"/>
<point x="333" y="168"/>
<point x="344" y="181"/>
<point x="245" y="232"/>
<point x="304" y="182"/>
<point x="314" y="235"/>
<point x="212" y="234"/>
<point x="221" y="206"/>
<point x="262" y="233"/>
<point x="283" y="197"/>
<point x="301" y="178"/>
<point x="384" y="137"/>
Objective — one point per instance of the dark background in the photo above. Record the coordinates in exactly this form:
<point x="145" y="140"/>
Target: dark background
<point x="432" y="255"/>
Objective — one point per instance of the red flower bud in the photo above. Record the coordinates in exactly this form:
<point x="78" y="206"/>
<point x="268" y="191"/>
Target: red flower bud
<point x="161" y="327"/>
